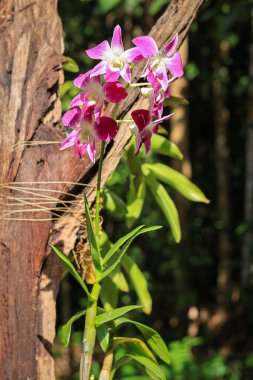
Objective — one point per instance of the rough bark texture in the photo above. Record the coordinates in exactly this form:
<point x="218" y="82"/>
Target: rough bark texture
<point x="31" y="53"/>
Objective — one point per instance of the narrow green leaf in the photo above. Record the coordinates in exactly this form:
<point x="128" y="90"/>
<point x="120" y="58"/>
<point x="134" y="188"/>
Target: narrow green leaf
<point x="114" y="204"/>
<point x="149" y="364"/>
<point x="178" y="181"/>
<point x="162" y="145"/>
<point x="152" y="337"/>
<point x="175" y="101"/>
<point x="118" y="244"/>
<point x="165" y="202"/>
<point x="66" y="329"/>
<point x="135" y="199"/>
<point x="109" y="294"/>
<point x="68" y="264"/>
<point x="113" y="314"/>
<point x="139" y="283"/>
<point x="117" y="257"/>
<point x="92" y="241"/>
<point x="119" y="279"/>
<point x="103" y="335"/>
<point x="70" y="65"/>
<point x="134" y="346"/>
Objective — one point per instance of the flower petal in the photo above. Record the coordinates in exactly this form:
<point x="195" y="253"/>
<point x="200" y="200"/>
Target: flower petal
<point x="159" y="121"/>
<point x="171" y="46"/>
<point x="71" y="117"/>
<point x="91" y="150"/>
<point x="126" y="73"/>
<point x="111" y="76"/>
<point x="76" y="101"/>
<point x="106" y="128"/>
<point x="161" y="75"/>
<point x="69" y="140"/>
<point x="147" y="46"/>
<point x="141" y="118"/>
<point x="99" y="69"/>
<point x="98" y="51"/>
<point x="82" y="79"/>
<point x="114" y="92"/>
<point x="133" y="55"/>
<point x="117" y="39"/>
<point x="175" y="65"/>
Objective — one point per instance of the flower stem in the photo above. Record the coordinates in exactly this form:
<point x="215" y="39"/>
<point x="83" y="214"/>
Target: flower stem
<point x="97" y="222"/>
<point x="89" y="336"/>
<point x="140" y="84"/>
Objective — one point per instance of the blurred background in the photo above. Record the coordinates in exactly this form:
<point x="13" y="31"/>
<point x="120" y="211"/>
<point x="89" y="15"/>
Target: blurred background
<point x="202" y="287"/>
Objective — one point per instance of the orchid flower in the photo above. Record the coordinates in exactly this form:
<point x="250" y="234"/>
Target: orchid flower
<point x="144" y="128"/>
<point x="86" y="129"/>
<point x="159" y="61"/>
<point x="114" y="60"/>
<point x="94" y="93"/>
<point x="155" y="100"/>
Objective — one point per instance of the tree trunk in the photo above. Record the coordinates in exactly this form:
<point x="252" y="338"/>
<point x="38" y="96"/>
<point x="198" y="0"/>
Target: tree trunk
<point x="35" y="175"/>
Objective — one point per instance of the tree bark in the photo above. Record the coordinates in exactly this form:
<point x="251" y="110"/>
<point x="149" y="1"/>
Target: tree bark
<point x="30" y="72"/>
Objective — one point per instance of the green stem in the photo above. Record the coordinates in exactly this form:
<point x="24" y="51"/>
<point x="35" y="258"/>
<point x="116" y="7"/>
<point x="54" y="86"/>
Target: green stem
<point x="97" y="221"/>
<point x="89" y="336"/>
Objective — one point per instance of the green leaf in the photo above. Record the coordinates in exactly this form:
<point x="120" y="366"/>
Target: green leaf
<point x="68" y="264"/>
<point x="119" y="280"/>
<point x="134" y="346"/>
<point x="135" y="199"/>
<point x="109" y="294"/>
<point x="66" y="329"/>
<point x="108" y="5"/>
<point x="178" y="181"/>
<point x="103" y="335"/>
<point x="70" y="65"/>
<point x="152" y="337"/>
<point x="165" y="202"/>
<point x="113" y="314"/>
<point x="117" y="257"/>
<point x="162" y="145"/>
<point x="152" y="367"/>
<point x="139" y="283"/>
<point x="94" y="249"/>
<point x="114" y="204"/>
<point x="175" y="101"/>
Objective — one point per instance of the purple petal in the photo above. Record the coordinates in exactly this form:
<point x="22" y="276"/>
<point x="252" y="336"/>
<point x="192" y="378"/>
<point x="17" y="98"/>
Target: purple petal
<point x="133" y="55"/>
<point x="141" y="118"/>
<point x="99" y="69"/>
<point x="82" y="79"/>
<point x="114" y="92"/>
<point x="98" y="51"/>
<point x="117" y="39"/>
<point x="147" y="46"/>
<point x="69" y="140"/>
<point x="171" y="46"/>
<point x="159" y="121"/>
<point x="82" y="149"/>
<point x="162" y="77"/>
<point x="76" y="101"/>
<point x="138" y="144"/>
<point x="126" y="73"/>
<point x="111" y="76"/>
<point x="91" y="150"/>
<point x="106" y="128"/>
<point x="175" y="65"/>
<point x="71" y="117"/>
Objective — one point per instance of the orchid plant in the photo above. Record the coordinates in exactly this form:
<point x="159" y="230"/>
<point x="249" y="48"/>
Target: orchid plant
<point x="89" y="128"/>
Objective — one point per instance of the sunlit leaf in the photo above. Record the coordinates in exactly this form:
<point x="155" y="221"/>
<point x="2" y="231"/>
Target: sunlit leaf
<point x="134" y="346"/>
<point x="70" y="65"/>
<point x="152" y="367"/>
<point x="139" y="283"/>
<point x="68" y="264"/>
<point x="66" y="329"/>
<point x="162" y="145"/>
<point x="165" y="202"/>
<point x="178" y="181"/>
<point x="94" y="249"/>
<point x="175" y="101"/>
<point x="109" y="294"/>
<point x="114" y="204"/>
<point x="151" y="336"/>
<point x="113" y="314"/>
<point x="103" y="335"/>
<point x="135" y="201"/>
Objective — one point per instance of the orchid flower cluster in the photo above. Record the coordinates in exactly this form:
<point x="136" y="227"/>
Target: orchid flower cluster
<point x="108" y="81"/>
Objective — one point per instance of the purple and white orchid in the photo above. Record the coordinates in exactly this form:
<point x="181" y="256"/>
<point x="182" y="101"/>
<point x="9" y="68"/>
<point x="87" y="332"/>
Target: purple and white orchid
<point x="144" y="128"/>
<point x="115" y="62"/>
<point x="159" y="61"/>
<point x="86" y="129"/>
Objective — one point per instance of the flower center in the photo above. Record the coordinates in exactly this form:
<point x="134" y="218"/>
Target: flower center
<point x="116" y="60"/>
<point x="87" y="132"/>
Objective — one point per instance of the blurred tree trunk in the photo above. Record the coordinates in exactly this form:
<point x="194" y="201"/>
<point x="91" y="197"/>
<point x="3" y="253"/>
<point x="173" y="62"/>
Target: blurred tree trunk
<point x="247" y="246"/>
<point x="30" y="72"/>
<point x="222" y="156"/>
<point x="180" y="135"/>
